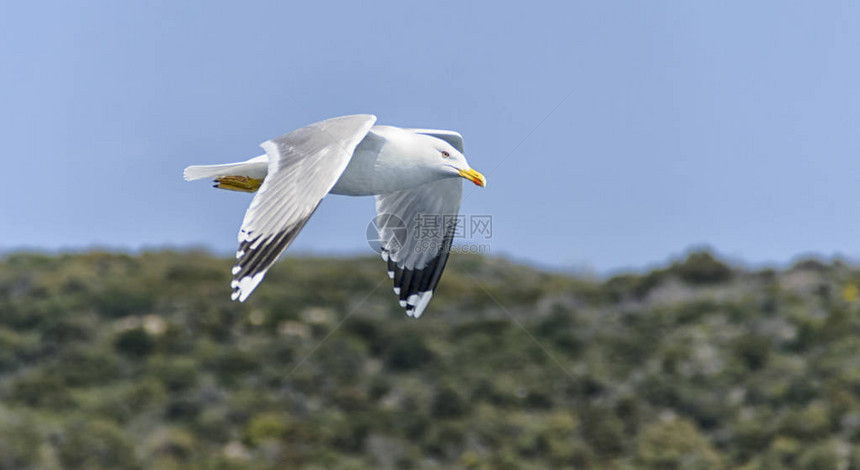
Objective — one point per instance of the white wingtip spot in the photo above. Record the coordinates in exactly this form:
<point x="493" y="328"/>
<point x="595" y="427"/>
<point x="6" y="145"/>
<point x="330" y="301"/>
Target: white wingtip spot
<point x="236" y="269"/>
<point x="245" y="286"/>
<point x="385" y="256"/>
<point x="423" y="300"/>
<point x="390" y="274"/>
<point x="240" y="254"/>
<point x="397" y="290"/>
<point x="403" y="303"/>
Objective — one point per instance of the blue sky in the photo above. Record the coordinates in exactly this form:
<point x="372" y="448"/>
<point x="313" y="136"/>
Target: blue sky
<point x="613" y="135"/>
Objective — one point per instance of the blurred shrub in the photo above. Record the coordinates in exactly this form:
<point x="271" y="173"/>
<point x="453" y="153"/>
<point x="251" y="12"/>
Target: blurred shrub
<point x="182" y="408"/>
<point x="675" y="444"/>
<point x="178" y="374"/>
<point x="265" y="426"/>
<point x="67" y="329"/>
<point x="753" y="350"/>
<point x="40" y="389"/>
<point x="79" y="366"/>
<point x="135" y="342"/>
<point x="822" y="456"/>
<point x="808" y="424"/>
<point x="408" y="352"/>
<point x="604" y="432"/>
<point x="120" y="300"/>
<point x="448" y="404"/>
<point x="558" y="328"/>
<point x="95" y="444"/>
<point x="701" y="268"/>
<point x="19" y="441"/>
<point x="232" y="364"/>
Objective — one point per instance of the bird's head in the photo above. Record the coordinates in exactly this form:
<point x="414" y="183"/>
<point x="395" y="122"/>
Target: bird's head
<point x="453" y="163"/>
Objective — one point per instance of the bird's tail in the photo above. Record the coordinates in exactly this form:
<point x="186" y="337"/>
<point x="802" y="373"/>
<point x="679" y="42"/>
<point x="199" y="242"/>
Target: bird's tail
<point x="254" y="168"/>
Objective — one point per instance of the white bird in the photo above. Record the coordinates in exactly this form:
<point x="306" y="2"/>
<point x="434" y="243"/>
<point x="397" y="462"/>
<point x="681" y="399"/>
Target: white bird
<point x="412" y="172"/>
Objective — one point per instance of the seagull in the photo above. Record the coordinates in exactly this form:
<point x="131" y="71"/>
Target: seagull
<point x="413" y="174"/>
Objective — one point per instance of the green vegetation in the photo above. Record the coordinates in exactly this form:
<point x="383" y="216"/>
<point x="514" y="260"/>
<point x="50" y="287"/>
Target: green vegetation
<point x="115" y="361"/>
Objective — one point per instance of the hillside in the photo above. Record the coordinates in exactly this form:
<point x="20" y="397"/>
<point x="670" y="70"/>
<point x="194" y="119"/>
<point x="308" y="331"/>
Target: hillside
<point x="116" y="361"/>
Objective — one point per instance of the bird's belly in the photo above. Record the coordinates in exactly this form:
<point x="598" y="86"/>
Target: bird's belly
<point x="350" y="187"/>
<point x="370" y="172"/>
<point x="378" y="167"/>
<point x="355" y="181"/>
<point x="358" y="179"/>
<point x="370" y="180"/>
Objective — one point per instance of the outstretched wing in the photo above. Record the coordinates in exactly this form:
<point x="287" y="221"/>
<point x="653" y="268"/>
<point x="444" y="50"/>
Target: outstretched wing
<point x="416" y="227"/>
<point x="303" y="167"/>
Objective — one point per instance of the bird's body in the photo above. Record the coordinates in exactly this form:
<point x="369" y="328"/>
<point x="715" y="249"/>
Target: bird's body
<point x="383" y="162"/>
<point x="412" y="173"/>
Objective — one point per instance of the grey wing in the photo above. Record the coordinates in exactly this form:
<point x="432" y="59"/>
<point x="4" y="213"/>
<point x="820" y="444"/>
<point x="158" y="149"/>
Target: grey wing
<point x="417" y="253"/>
<point x="303" y="167"/>
<point x="453" y="138"/>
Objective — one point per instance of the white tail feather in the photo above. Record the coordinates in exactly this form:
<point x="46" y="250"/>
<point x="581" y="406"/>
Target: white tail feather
<point x="256" y="167"/>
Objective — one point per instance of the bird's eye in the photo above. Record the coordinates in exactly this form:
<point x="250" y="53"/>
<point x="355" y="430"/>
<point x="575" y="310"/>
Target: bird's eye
<point x="446" y="154"/>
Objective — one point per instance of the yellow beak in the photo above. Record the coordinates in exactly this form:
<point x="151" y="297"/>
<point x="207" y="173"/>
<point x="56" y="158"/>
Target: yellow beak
<point x="474" y="177"/>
